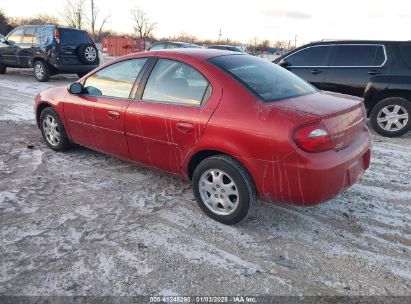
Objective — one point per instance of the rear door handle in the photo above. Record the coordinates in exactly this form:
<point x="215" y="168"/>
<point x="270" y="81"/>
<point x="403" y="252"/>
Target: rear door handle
<point x="185" y="127"/>
<point x="374" y="72"/>
<point x="315" y="71"/>
<point x="113" y="114"/>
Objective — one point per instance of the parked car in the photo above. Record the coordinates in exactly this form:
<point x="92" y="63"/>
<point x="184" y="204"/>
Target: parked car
<point x="172" y="45"/>
<point x="236" y="125"/>
<point x="378" y="71"/>
<point x="50" y="50"/>
<point x="232" y="48"/>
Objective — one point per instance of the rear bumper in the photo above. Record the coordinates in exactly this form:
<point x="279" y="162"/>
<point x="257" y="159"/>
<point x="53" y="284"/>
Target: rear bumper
<point x="81" y="68"/>
<point x="309" y="179"/>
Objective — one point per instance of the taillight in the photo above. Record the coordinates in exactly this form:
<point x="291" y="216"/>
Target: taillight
<point x="313" y="138"/>
<point x="56" y="35"/>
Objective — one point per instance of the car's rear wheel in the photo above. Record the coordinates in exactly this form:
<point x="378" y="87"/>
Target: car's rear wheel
<point x="391" y="117"/>
<point x="41" y="71"/>
<point x="53" y="130"/>
<point x="224" y="189"/>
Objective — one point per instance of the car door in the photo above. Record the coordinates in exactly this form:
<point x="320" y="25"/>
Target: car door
<point x="27" y="47"/>
<point x="171" y="110"/>
<point x="108" y="95"/>
<point x="353" y="66"/>
<point x="10" y="49"/>
<point x="309" y="63"/>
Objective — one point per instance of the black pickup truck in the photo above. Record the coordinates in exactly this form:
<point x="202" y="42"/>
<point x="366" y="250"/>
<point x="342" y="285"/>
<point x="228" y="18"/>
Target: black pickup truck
<point x="378" y="71"/>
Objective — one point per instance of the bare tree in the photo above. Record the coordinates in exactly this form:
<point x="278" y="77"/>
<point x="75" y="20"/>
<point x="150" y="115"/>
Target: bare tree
<point x="74" y="13"/>
<point x="94" y="12"/>
<point x="186" y="37"/>
<point x="143" y="26"/>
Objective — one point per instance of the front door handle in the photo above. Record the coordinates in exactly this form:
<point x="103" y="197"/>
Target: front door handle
<point x="185" y="127"/>
<point x="373" y="72"/>
<point x="113" y="114"/>
<point x="315" y="72"/>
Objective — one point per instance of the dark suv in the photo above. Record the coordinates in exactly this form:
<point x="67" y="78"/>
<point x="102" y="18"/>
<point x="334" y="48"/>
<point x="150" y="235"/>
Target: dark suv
<point x="49" y="50"/>
<point x="378" y="71"/>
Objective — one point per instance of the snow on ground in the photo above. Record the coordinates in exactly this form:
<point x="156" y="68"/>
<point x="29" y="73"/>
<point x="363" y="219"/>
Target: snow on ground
<point x="84" y="223"/>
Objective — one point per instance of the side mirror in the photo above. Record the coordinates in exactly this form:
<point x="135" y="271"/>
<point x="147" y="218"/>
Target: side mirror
<point x="284" y="63"/>
<point x="76" y="88"/>
<point x="2" y="39"/>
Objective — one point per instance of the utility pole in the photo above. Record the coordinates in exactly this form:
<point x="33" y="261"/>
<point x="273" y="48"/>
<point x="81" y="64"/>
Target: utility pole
<point x="295" y="41"/>
<point x="219" y="35"/>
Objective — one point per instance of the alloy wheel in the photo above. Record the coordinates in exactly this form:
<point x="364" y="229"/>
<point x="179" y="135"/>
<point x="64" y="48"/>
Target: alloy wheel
<point x="219" y="192"/>
<point x="392" y="118"/>
<point x="90" y="53"/>
<point x="51" y="130"/>
<point x="39" y="71"/>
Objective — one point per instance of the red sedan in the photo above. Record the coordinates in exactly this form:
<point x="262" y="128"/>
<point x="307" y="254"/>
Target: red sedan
<point x="239" y="127"/>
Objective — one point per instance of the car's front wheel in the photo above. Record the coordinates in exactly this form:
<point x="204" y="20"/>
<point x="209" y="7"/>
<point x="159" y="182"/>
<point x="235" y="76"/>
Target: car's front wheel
<point x="224" y="189"/>
<point x="53" y="130"/>
<point x="41" y="71"/>
<point x="391" y="117"/>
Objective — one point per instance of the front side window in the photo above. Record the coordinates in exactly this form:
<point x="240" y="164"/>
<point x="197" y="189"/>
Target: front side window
<point x="16" y="36"/>
<point x="265" y="79"/>
<point x="314" y="56"/>
<point x="116" y="80"/>
<point x="358" y="56"/>
<point x="175" y="82"/>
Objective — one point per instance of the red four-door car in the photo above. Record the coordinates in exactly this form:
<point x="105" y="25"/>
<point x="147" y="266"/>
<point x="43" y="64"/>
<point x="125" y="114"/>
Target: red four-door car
<point x="237" y="126"/>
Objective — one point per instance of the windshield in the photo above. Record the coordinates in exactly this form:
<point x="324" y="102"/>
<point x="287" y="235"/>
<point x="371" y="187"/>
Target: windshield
<point x="264" y="78"/>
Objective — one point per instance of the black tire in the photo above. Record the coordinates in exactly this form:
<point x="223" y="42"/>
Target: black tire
<point x="41" y="71"/>
<point x="243" y="183"/>
<point x="88" y="54"/>
<point x="3" y="68"/>
<point x="63" y="142"/>
<point x="389" y="105"/>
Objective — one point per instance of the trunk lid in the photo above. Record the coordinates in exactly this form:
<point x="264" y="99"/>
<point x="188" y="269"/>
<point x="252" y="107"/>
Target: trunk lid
<point x="342" y="115"/>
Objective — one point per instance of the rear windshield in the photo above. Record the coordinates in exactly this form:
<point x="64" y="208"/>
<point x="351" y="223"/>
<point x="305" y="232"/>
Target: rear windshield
<point x="73" y="37"/>
<point x="265" y="79"/>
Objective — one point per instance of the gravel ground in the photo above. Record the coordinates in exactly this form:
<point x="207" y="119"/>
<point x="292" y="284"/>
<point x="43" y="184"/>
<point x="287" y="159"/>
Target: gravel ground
<point x="83" y="223"/>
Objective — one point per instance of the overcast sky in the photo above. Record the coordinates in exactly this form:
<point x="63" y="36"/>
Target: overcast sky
<point x="242" y="20"/>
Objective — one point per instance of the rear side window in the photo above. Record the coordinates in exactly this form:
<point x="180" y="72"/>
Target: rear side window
<point x="265" y="79"/>
<point x="116" y="80"/>
<point x="311" y="56"/>
<point x="16" y="36"/>
<point x="29" y="35"/>
<point x="175" y="82"/>
<point x="406" y="53"/>
<point x="359" y="55"/>
<point x="73" y="37"/>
